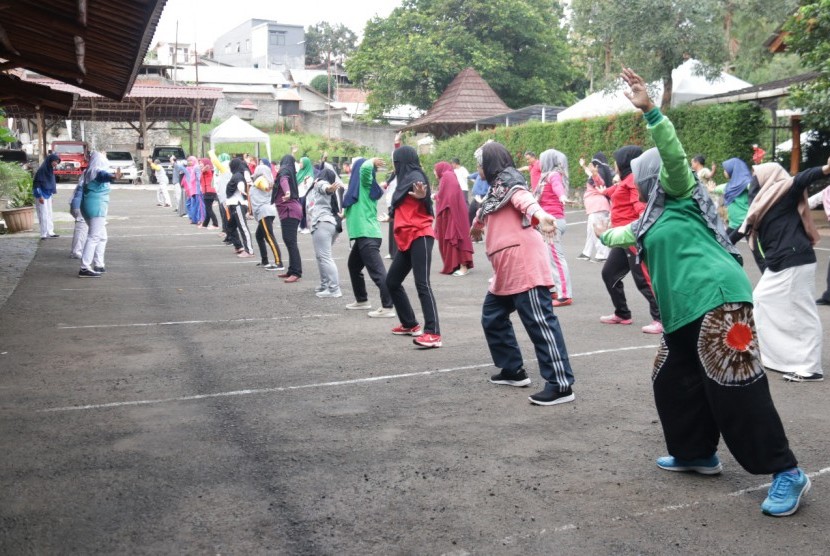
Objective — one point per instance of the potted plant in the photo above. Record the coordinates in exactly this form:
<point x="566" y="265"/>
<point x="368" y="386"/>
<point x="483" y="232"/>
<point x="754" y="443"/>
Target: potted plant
<point x="17" y="203"/>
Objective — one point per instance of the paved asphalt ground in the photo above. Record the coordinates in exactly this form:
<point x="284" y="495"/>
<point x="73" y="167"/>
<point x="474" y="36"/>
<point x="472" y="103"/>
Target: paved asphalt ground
<point x="188" y="402"/>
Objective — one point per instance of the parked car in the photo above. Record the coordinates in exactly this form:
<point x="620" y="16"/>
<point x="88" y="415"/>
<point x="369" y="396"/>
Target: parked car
<point x="163" y="153"/>
<point x="125" y="161"/>
<point x="74" y="159"/>
<point x="17" y="156"/>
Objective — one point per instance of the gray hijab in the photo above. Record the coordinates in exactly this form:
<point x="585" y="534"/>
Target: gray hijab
<point x="551" y="161"/>
<point x="646" y="169"/>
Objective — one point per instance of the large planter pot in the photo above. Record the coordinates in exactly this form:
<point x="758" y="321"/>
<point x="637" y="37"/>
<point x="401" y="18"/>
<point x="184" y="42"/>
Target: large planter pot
<point x="19" y="219"/>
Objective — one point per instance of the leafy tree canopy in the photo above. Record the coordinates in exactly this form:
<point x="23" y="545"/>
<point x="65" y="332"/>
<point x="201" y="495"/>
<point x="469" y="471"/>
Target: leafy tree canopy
<point x="324" y="42"/>
<point x="652" y="36"/>
<point x="321" y="84"/>
<point x="518" y="46"/>
<point x="809" y="38"/>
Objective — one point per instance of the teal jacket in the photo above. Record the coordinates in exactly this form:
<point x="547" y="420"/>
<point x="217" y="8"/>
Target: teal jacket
<point x="96" y="196"/>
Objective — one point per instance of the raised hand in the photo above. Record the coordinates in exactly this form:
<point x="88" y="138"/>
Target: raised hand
<point x="638" y="95"/>
<point x="419" y="190"/>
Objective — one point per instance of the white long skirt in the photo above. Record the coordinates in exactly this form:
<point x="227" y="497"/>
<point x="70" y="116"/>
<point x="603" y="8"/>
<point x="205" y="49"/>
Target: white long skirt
<point x="789" y="328"/>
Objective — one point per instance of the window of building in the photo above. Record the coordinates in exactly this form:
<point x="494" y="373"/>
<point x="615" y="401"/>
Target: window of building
<point x="228" y="48"/>
<point x="238" y="47"/>
<point x="276" y="38"/>
<point x="247" y="45"/>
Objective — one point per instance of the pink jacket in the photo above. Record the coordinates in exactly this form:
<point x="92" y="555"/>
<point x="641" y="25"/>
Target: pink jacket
<point x="519" y="256"/>
<point x="553" y="189"/>
<point x="594" y="200"/>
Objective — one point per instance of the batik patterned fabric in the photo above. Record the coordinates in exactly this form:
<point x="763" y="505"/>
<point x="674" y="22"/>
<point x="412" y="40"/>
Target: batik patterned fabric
<point x="660" y="360"/>
<point x="728" y="345"/>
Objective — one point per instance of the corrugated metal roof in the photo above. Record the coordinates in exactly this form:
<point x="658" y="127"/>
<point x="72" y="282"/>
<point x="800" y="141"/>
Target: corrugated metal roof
<point x="100" y="49"/>
<point x="220" y="74"/>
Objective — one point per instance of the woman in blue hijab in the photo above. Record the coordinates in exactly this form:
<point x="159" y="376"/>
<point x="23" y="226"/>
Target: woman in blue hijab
<point x="43" y="187"/>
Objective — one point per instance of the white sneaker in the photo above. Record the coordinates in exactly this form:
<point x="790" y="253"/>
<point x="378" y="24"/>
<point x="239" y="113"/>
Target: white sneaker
<point x="305" y="231"/>
<point x="329" y="293"/>
<point x="359" y="305"/>
<point x="382" y="313"/>
<point x="656" y="327"/>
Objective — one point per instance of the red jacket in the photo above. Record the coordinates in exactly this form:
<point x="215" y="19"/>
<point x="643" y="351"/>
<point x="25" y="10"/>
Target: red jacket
<point x="625" y="202"/>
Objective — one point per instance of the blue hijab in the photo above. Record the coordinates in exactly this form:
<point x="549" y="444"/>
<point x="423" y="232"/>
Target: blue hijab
<point x="353" y="192"/>
<point x="45" y="176"/>
<point x="739" y="178"/>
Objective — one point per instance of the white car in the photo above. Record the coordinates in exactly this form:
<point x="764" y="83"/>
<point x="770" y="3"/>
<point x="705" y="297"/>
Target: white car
<point x="123" y="160"/>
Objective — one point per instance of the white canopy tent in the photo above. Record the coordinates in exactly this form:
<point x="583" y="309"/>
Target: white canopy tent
<point x="686" y="86"/>
<point x="235" y="130"/>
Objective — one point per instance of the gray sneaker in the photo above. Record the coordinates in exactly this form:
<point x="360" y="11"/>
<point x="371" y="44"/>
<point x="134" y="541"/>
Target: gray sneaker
<point x="330" y="293"/>
<point x="382" y="313"/>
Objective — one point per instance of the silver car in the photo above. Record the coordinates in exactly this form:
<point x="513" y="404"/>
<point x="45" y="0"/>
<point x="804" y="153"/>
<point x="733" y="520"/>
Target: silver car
<point x="123" y="160"/>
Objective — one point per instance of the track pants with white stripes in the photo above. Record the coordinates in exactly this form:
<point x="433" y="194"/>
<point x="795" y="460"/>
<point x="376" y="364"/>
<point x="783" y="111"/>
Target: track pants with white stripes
<point x="239" y="225"/>
<point x="535" y="310"/>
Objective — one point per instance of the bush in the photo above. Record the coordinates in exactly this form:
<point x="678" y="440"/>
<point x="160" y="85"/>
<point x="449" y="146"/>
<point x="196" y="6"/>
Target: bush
<point x="719" y="132"/>
<point x="15" y="185"/>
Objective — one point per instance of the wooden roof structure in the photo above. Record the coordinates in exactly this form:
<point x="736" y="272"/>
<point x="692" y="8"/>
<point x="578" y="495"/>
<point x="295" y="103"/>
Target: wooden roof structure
<point x="96" y="44"/>
<point x="163" y="103"/>
<point x="465" y="101"/>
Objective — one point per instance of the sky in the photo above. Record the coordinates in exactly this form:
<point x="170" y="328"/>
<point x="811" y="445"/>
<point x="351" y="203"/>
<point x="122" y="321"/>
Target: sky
<point x="202" y="21"/>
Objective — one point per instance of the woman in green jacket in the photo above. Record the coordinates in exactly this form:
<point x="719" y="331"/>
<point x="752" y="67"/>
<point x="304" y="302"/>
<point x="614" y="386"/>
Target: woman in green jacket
<point x="708" y="379"/>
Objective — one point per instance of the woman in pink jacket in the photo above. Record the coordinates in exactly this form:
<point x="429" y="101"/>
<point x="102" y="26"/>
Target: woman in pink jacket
<point x="521" y="279"/>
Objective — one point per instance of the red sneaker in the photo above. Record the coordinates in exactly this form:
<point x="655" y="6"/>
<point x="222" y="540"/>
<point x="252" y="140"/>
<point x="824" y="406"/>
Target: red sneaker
<point x="428" y="340"/>
<point x="562" y="302"/>
<point x="401" y="330"/>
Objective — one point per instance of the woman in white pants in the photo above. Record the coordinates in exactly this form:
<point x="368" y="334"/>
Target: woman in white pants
<point x="44" y="186"/>
<point x="162" y="197"/>
<point x="95" y="182"/>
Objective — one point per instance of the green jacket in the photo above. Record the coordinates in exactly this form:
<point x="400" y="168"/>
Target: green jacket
<point x="362" y="217"/>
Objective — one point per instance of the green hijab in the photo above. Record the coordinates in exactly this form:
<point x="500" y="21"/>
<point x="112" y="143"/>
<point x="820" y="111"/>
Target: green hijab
<point x="306" y="170"/>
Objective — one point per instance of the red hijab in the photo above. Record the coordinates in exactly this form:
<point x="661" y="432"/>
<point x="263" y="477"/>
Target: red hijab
<point x="450" y="204"/>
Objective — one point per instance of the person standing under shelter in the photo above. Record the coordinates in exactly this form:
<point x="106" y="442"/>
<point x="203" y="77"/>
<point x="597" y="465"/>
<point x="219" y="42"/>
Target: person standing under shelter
<point x="708" y="379"/>
<point x="44" y="186"/>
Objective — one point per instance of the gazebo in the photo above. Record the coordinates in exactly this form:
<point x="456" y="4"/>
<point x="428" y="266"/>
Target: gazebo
<point x="464" y="102"/>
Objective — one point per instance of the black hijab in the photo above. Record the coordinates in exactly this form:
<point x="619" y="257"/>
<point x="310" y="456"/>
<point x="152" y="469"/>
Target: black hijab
<point x="289" y="170"/>
<point x="238" y="168"/>
<point x="605" y="172"/>
<point x="494" y="160"/>
<point x="623" y="156"/>
<point x="408" y="172"/>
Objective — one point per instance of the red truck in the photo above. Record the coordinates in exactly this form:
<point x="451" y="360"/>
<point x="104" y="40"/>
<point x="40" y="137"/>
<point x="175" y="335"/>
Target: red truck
<point x="74" y="159"/>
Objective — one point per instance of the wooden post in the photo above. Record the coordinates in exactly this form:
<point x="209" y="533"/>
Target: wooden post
<point x="795" y="161"/>
<point x="41" y="133"/>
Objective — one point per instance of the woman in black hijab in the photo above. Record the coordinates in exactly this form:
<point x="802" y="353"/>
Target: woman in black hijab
<point x="237" y="203"/>
<point x="290" y="212"/>
<point x="413" y="216"/>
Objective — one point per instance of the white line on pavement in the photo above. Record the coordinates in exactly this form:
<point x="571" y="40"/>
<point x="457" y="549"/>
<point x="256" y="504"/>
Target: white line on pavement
<point x="173" y="323"/>
<point x="252" y="391"/>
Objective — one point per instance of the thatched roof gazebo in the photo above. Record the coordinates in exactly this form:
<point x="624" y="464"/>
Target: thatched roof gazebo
<point x="465" y="101"/>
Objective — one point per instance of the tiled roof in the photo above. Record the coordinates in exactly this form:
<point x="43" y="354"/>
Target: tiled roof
<point x="466" y="100"/>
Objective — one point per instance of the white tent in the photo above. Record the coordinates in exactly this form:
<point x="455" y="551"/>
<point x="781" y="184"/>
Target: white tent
<point x="686" y="86"/>
<point x="234" y="130"/>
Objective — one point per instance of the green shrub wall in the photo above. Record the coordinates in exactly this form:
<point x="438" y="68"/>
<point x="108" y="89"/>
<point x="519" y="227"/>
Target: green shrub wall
<point x="719" y="132"/>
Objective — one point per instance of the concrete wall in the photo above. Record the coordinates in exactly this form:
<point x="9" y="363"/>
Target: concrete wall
<point x="115" y="136"/>
<point x="380" y="138"/>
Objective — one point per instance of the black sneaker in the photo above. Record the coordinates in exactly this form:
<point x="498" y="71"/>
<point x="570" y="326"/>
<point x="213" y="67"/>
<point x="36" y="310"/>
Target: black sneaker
<point x="86" y="273"/>
<point x="519" y="378"/>
<point x="99" y="269"/>
<point x="795" y="377"/>
<point x="822" y="301"/>
<point x="552" y="398"/>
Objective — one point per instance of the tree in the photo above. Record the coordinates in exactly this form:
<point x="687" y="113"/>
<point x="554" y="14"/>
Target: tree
<point x="325" y="42"/>
<point x="518" y="47"/>
<point x="323" y="84"/>
<point x="656" y="36"/>
<point x="809" y="38"/>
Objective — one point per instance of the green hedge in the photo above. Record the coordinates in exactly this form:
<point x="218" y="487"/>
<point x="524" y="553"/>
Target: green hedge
<point x="719" y="132"/>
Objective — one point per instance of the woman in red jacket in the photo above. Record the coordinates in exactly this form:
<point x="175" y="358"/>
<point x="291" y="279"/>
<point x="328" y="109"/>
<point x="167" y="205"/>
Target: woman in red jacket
<point x="626" y="208"/>
<point x="209" y="193"/>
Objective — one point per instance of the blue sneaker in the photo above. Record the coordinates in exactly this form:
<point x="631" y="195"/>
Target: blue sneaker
<point x="785" y="494"/>
<point x="704" y="466"/>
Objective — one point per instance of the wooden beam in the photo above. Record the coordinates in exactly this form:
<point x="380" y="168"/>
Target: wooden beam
<point x="795" y="160"/>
